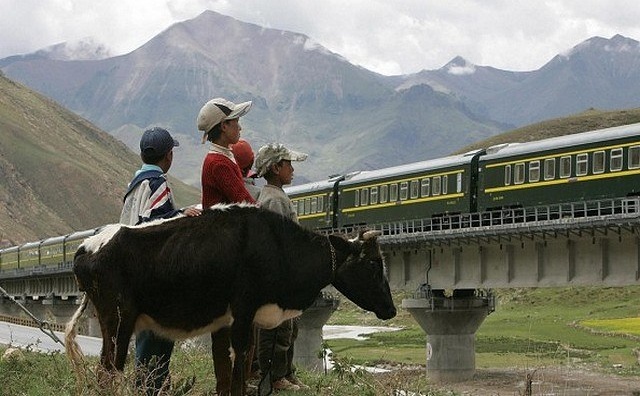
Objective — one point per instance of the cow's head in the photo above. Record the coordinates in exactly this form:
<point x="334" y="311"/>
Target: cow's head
<point x="360" y="277"/>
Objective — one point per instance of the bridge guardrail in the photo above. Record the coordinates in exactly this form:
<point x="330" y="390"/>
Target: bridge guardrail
<point x="567" y="217"/>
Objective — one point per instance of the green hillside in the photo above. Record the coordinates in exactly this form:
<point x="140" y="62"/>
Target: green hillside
<point x="58" y="172"/>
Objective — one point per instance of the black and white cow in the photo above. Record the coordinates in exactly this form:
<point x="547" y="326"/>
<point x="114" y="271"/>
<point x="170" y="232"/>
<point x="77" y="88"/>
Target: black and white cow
<point x="232" y="266"/>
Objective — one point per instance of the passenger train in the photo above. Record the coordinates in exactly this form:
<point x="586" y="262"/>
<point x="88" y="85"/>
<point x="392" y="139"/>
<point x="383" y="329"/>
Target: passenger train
<point x="582" y="167"/>
<point x="585" y="166"/>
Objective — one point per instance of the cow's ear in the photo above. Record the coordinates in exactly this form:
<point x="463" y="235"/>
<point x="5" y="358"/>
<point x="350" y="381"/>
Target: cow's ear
<point x="367" y="235"/>
<point x="370" y="246"/>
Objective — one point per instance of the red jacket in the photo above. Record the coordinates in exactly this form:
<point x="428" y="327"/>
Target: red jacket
<point x="222" y="181"/>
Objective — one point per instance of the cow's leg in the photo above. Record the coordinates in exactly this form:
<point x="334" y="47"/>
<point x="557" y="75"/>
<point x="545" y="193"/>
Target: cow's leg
<point x="116" y="325"/>
<point x="220" y="344"/>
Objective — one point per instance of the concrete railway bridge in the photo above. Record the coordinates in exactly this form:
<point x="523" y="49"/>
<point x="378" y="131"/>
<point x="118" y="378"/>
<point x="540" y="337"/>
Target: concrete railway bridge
<point x="451" y="264"/>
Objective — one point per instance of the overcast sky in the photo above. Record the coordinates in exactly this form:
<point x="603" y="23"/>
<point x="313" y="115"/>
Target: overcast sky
<point x="386" y="36"/>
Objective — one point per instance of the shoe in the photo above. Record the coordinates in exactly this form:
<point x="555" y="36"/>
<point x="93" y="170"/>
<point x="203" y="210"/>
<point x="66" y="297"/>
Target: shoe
<point x="284" y="384"/>
<point x="251" y="389"/>
<point x="294" y="380"/>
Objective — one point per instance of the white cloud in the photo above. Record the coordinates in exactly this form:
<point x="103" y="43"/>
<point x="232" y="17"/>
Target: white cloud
<point x="461" y="70"/>
<point x="388" y="37"/>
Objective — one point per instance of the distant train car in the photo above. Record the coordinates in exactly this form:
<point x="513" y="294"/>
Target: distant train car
<point x="72" y="242"/>
<point x="30" y="255"/>
<point x="581" y="167"/>
<point x="418" y="190"/>
<point x="9" y="259"/>
<point x="314" y="203"/>
<point x="52" y="252"/>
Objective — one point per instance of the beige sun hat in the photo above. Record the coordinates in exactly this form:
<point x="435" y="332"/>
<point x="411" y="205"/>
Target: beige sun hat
<point x="273" y="153"/>
<point x="217" y="110"/>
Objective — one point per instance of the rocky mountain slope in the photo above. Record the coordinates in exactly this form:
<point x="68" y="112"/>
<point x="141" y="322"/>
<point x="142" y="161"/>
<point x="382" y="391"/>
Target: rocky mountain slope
<point x="59" y="173"/>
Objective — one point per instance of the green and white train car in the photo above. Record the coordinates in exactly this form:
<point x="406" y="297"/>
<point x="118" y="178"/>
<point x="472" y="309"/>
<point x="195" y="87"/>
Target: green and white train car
<point x="52" y="252"/>
<point x="314" y="203"/>
<point x="586" y="166"/>
<point x="9" y="259"/>
<point x="30" y="255"/>
<point x="419" y="190"/>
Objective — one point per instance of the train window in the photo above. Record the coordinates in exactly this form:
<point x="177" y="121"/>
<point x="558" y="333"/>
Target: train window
<point x="321" y="204"/>
<point x="364" y="196"/>
<point x="459" y="182"/>
<point x="634" y="157"/>
<point x="436" y="186"/>
<point x="425" y="187"/>
<point x="356" y="201"/>
<point x="507" y="175"/>
<point x="518" y="176"/>
<point x="307" y="205"/>
<point x="582" y="164"/>
<point x="384" y="193"/>
<point x="615" y="160"/>
<point x="565" y="166"/>
<point x="393" y="192"/>
<point x="598" y="162"/>
<point x="534" y="171"/>
<point x="300" y="207"/>
<point x="314" y="205"/>
<point x="404" y="191"/>
<point x="549" y="169"/>
<point x="373" y="195"/>
<point x="414" y="189"/>
<point x="445" y="184"/>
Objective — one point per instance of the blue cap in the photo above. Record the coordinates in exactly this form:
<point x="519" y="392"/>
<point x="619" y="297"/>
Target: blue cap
<point x="157" y="142"/>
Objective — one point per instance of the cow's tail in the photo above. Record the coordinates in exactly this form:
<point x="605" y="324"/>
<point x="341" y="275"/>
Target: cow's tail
<point x="74" y="353"/>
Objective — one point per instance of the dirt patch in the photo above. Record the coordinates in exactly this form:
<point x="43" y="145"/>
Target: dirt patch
<point x="545" y="381"/>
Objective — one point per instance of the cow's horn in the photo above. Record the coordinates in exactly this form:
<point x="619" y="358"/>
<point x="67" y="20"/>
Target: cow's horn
<point x="370" y="234"/>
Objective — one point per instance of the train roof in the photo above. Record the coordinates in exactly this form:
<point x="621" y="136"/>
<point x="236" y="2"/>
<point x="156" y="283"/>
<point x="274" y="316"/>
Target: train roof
<point x="83" y="233"/>
<point x="30" y="245"/>
<point x="318" y="186"/>
<point x="53" y="240"/>
<point x="10" y="249"/>
<point x="414" y="167"/>
<point x="600" y="135"/>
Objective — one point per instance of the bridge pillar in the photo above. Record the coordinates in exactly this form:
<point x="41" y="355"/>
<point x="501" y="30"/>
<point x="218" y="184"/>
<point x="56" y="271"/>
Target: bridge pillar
<point x="451" y="324"/>
<point x="308" y="346"/>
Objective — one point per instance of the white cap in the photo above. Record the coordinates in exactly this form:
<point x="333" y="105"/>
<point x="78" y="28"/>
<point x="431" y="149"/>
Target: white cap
<point x="217" y="110"/>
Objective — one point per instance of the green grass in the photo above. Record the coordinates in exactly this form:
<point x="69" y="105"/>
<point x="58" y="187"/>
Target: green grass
<point x="38" y="374"/>
<point x="586" y="326"/>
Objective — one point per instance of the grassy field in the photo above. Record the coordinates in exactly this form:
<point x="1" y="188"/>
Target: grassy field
<point x="587" y="328"/>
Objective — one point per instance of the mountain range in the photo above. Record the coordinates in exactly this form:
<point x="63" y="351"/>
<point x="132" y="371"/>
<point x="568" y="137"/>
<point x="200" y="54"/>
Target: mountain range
<point x="313" y="100"/>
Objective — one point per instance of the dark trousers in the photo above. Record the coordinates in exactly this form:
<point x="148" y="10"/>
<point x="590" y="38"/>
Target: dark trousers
<point x="152" y="361"/>
<point x="275" y="349"/>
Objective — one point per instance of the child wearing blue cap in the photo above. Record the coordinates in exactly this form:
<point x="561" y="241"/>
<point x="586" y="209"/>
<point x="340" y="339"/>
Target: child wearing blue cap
<point x="149" y="197"/>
